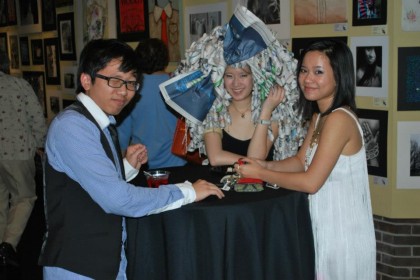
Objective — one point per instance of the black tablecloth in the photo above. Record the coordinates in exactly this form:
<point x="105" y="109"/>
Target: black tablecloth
<point x="264" y="235"/>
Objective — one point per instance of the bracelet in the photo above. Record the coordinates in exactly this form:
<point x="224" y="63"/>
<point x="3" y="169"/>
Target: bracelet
<point x="264" y="122"/>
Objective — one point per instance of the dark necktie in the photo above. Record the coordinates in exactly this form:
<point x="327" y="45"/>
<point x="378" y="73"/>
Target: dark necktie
<point x="114" y="135"/>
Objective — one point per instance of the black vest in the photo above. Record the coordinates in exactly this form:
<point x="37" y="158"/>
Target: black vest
<point x="80" y="236"/>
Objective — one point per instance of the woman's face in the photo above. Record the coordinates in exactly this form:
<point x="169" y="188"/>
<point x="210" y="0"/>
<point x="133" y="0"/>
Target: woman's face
<point x="238" y="82"/>
<point x="316" y="79"/>
<point x="370" y="55"/>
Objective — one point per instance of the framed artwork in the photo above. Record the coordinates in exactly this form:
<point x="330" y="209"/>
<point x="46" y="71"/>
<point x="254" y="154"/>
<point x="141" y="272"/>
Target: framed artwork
<point x="368" y="12"/>
<point x="68" y="79"/>
<point x="65" y="24"/>
<point x="408" y="79"/>
<point x="370" y="56"/>
<point x="52" y="65"/>
<point x="374" y="124"/>
<point x="202" y="19"/>
<point x="14" y="52"/>
<point x="37" y="52"/>
<point x="3" y="13"/>
<point x="95" y="15"/>
<point x="300" y="44"/>
<point x="11" y="12"/>
<point x="320" y="12"/>
<point x="48" y="15"/>
<point x="24" y="50"/>
<point x="408" y="155"/>
<point x="132" y="20"/>
<point x="29" y="16"/>
<point x="3" y="42"/>
<point x="36" y="80"/>
<point x="63" y="3"/>
<point x="410" y="15"/>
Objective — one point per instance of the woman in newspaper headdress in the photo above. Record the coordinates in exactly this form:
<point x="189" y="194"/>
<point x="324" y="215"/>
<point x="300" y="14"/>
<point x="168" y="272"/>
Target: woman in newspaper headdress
<point x="243" y="47"/>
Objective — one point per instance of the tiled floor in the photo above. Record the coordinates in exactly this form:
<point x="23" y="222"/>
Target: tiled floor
<point x="30" y="244"/>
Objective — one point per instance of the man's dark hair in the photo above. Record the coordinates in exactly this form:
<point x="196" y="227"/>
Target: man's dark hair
<point x="98" y="53"/>
<point x="4" y="62"/>
<point x="153" y="55"/>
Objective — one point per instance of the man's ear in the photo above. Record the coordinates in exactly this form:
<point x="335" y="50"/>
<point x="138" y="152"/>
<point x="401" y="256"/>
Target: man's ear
<point x="86" y="81"/>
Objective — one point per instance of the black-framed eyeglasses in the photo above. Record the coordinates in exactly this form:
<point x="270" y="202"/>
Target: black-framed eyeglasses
<point x="117" y="82"/>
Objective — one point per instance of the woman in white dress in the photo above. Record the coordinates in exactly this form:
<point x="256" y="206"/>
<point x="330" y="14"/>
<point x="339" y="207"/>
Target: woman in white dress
<point x="330" y="166"/>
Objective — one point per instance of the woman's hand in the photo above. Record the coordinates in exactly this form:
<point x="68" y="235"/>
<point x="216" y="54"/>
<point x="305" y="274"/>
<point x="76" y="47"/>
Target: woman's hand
<point x="249" y="168"/>
<point x="274" y="98"/>
<point x="136" y="155"/>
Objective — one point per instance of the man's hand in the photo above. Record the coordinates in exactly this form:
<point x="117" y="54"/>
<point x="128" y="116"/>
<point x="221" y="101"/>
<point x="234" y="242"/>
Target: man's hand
<point x="204" y="189"/>
<point x="136" y="155"/>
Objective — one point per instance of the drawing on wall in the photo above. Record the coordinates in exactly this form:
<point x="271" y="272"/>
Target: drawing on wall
<point x="96" y="13"/>
<point x="370" y="56"/>
<point x="320" y="11"/>
<point x="408" y="155"/>
<point x="410" y="18"/>
<point x="408" y="79"/>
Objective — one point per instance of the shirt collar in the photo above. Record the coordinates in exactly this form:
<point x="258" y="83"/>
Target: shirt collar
<point x="100" y="117"/>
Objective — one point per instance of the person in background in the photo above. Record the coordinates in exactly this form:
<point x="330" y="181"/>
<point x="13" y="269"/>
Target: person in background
<point x="87" y="196"/>
<point x="241" y="137"/>
<point x="23" y="129"/>
<point x="330" y="166"/>
<point x="150" y="121"/>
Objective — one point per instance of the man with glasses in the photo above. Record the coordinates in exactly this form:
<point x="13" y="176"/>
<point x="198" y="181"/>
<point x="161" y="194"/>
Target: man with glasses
<point x="86" y="193"/>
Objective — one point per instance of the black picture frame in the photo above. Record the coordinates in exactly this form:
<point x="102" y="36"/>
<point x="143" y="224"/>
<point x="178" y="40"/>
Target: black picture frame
<point x="408" y="79"/>
<point x="63" y="3"/>
<point x="379" y="17"/>
<point x="67" y="42"/>
<point x="37" y="52"/>
<point x="37" y="81"/>
<point x="24" y="50"/>
<point x="375" y="133"/>
<point x="52" y="63"/>
<point x="12" y="12"/>
<point x="132" y="20"/>
<point x="49" y="21"/>
<point x="4" y="46"/>
<point x="300" y="44"/>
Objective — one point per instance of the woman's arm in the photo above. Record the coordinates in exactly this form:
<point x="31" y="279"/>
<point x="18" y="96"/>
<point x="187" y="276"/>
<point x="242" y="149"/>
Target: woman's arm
<point x="216" y="155"/>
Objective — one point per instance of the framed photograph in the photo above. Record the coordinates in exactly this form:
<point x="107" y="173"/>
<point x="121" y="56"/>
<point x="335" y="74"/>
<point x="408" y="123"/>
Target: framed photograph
<point x="24" y="50"/>
<point x="68" y="79"/>
<point x="408" y="155"/>
<point x="36" y="80"/>
<point x="202" y="19"/>
<point x="375" y="133"/>
<point x="320" y="12"/>
<point x="37" y="52"/>
<point x="367" y="12"/>
<point x="65" y="24"/>
<point x="29" y="16"/>
<point x="11" y="14"/>
<point x="132" y="20"/>
<point x="300" y="44"/>
<point x="48" y="15"/>
<point x="3" y="42"/>
<point x="52" y="65"/>
<point x="408" y="79"/>
<point x="370" y="56"/>
<point x="14" y="52"/>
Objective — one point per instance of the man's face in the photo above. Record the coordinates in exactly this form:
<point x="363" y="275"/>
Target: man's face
<point x="111" y="100"/>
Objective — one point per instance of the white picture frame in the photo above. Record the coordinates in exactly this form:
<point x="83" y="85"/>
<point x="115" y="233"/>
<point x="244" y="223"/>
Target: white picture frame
<point x="203" y="13"/>
<point x="381" y="42"/>
<point x="408" y="134"/>
<point x="68" y="80"/>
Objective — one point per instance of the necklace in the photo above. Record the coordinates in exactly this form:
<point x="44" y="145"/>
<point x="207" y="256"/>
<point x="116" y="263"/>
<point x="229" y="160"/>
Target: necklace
<point x="242" y="113"/>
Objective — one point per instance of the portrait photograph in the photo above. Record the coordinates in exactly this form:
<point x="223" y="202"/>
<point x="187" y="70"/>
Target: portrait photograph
<point x="66" y="36"/>
<point x="37" y="52"/>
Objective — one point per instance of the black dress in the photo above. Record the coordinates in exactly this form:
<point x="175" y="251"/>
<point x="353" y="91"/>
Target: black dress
<point x="239" y="147"/>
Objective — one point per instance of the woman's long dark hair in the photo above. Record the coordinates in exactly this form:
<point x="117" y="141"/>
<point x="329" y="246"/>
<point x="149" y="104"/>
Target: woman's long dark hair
<point x="341" y="61"/>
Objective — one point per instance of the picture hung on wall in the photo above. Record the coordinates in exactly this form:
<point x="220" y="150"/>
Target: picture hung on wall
<point x="202" y="19"/>
<point x="54" y="105"/>
<point x="36" y="80"/>
<point x="95" y="14"/>
<point x="66" y="37"/>
<point x="8" y="13"/>
<point x="14" y="52"/>
<point x="52" y="65"/>
<point x="3" y="42"/>
<point x="48" y="15"/>
<point x="3" y="13"/>
<point x="369" y="12"/>
<point x="408" y="155"/>
<point x="410" y="15"/>
<point x="408" y="79"/>
<point x="37" y="52"/>
<point x="29" y="16"/>
<point x="63" y="3"/>
<point x="320" y="12"/>
<point x="374" y="124"/>
<point x="275" y="13"/>
<point x="370" y="56"/>
<point x="132" y="20"/>
<point x="68" y="79"/>
<point x="164" y="23"/>
<point x="300" y="44"/>
<point x="24" y="50"/>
